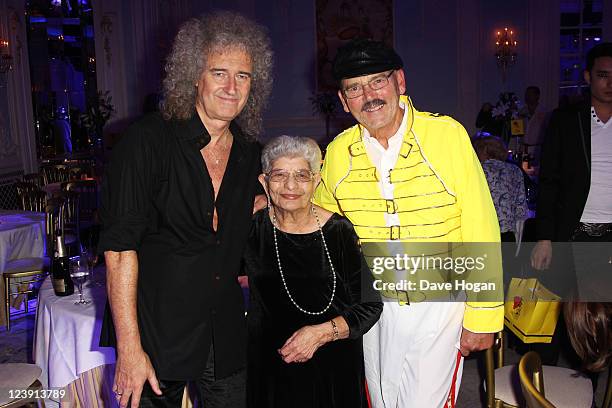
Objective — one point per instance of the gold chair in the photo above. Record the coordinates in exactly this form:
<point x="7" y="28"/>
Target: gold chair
<point x="88" y="198"/>
<point x="20" y="274"/>
<point x="19" y="376"/>
<point x="34" y="200"/>
<point x="71" y="221"/>
<point x="87" y="164"/>
<point x="566" y="387"/>
<point x="76" y="173"/>
<point x="500" y="390"/>
<point x="23" y="187"/>
<point x="34" y="178"/>
<point x="608" y="398"/>
<point x="532" y="381"/>
<point x="55" y="173"/>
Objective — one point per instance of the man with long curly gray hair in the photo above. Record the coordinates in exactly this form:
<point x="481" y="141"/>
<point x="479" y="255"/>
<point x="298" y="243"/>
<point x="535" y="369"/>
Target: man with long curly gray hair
<point x="177" y="203"/>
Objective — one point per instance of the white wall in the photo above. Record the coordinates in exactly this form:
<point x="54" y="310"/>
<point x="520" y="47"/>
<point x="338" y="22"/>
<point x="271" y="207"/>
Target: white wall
<point x="447" y="47"/>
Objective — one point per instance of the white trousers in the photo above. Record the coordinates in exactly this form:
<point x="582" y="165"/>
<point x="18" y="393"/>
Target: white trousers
<point x="412" y="355"/>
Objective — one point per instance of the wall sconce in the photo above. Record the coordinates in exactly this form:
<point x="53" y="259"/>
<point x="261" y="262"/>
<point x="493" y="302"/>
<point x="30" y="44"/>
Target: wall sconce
<point x="505" y="50"/>
<point x="6" y="59"/>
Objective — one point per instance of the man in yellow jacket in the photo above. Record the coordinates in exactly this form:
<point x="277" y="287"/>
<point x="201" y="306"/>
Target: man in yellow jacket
<point x="406" y="176"/>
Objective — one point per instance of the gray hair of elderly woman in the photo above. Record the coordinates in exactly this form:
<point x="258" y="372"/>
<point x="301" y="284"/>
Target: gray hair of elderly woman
<point x="291" y="147"/>
<point x="490" y="147"/>
<point x="196" y="40"/>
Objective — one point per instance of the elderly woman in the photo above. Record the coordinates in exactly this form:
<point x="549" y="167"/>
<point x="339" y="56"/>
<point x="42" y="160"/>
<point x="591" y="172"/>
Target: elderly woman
<point x="311" y="291"/>
<point x="505" y="183"/>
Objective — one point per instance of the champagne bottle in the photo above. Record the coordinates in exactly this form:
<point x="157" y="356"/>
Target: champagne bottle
<point x="60" y="269"/>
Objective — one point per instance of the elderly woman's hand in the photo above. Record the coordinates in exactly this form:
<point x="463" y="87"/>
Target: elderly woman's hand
<point x="301" y="346"/>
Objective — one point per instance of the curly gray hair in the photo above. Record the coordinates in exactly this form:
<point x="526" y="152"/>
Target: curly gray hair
<point x="291" y="146"/>
<point x="196" y="39"/>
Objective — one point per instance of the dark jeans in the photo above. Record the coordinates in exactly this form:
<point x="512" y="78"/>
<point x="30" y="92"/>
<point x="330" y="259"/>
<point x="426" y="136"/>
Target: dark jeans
<point x="226" y="392"/>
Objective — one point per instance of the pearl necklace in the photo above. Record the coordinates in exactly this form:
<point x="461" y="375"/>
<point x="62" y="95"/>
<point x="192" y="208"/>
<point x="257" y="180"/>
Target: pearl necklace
<point x="280" y="268"/>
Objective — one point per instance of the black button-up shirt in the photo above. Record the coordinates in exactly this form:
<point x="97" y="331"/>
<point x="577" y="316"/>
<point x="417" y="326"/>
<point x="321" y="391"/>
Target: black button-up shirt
<point x="158" y="199"/>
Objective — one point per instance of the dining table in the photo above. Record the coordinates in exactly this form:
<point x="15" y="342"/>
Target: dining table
<point x="66" y="346"/>
<point x="22" y="235"/>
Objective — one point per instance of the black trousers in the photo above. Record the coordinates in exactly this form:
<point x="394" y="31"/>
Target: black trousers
<point x="229" y="392"/>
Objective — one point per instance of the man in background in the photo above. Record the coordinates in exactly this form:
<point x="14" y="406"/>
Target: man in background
<point x="575" y="187"/>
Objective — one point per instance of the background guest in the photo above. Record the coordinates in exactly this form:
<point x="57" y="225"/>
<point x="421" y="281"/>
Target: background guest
<point x="505" y="183"/>
<point x="590" y="330"/>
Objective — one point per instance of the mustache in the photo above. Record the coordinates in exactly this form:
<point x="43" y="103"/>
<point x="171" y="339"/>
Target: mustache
<point x="375" y="103"/>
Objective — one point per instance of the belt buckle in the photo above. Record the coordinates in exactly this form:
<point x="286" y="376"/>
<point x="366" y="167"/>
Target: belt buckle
<point x="394" y="232"/>
<point x="595" y="229"/>
<point x="401" y="295"/>
<point x="391" y="206"/>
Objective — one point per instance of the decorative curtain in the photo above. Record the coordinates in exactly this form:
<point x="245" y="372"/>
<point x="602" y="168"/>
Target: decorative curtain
<point x="542" y="45"/>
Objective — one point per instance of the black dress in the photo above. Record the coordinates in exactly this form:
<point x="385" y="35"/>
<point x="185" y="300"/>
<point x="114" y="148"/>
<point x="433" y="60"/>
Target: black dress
<point x="334" y="377"/>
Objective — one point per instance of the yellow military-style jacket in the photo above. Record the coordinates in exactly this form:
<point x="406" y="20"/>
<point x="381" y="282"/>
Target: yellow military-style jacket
<point x="439" y="189"/>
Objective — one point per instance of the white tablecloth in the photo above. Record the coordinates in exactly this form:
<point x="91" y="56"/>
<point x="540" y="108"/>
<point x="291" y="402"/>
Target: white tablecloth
<point x="22" y="235"/>
<point x="66" y="335"/>
<point x="66" y="348"/>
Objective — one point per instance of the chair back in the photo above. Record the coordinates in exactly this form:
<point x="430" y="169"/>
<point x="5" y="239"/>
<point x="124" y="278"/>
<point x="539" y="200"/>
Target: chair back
<point x="23" y="186"/>
<point x="54" y="223"/>
<point x="33" y="200"/>
<point x="495" y="352"/>
<point x="76" y="173"/>
<point x="70" y="209"/>
<point x="55" y="173"/>
<point x="88" y="196"/>
<point x="33" y="178"/>
<point x="607" y="402"/>
<point x="532" y="381"/>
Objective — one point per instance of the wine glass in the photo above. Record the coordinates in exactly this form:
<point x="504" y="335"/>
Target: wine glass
<point x="79" y="272"/>
<point x="90" y="256"/>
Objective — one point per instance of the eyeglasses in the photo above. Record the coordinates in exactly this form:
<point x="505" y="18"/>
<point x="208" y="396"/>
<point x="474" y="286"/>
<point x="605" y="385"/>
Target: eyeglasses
<point x="378" y="82"/>
<point x="281" y="176"/>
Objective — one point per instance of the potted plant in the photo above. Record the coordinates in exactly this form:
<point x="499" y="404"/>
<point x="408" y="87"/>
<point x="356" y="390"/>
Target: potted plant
<point x="326" y="104"/>
<point x="99" y="111"/>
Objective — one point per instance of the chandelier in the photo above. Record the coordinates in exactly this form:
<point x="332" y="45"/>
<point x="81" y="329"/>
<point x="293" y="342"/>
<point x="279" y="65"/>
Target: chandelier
<point x="6" y="59"/>
<point x="505" y="50"/>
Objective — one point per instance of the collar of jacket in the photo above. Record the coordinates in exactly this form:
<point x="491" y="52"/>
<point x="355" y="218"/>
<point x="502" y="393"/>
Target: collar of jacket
<point x="584" y="123"/>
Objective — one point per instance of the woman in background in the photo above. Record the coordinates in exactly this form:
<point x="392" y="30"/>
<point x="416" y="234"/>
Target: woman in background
<point x="505" y="183"/>
<point x="589" y="325"/>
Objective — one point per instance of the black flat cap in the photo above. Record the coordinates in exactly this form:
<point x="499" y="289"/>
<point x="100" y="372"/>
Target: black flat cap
<point x="364" y="57"/>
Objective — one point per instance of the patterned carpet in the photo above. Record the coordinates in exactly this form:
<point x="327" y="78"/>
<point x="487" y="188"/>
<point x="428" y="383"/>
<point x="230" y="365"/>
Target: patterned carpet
<point x="16" y="346"/>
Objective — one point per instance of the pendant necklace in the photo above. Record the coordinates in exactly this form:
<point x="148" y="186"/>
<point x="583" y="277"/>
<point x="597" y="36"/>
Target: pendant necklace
<point x="280" y="268"/>
<point x="216" y="158"/>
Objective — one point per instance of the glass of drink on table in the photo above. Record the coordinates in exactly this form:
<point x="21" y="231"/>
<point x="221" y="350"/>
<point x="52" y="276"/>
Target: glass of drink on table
<point x="79" y="271"/>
